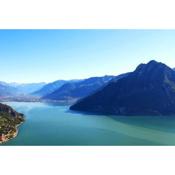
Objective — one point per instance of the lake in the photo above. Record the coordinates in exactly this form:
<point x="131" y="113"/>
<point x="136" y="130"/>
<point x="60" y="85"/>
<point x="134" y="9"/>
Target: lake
<point x="48" y="124"/>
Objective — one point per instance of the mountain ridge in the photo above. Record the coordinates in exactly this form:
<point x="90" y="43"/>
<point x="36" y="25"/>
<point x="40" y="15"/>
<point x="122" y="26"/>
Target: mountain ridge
<point x="51" y="87"/>
<point x="148" y="90"/>
<point x="77" y="90"/>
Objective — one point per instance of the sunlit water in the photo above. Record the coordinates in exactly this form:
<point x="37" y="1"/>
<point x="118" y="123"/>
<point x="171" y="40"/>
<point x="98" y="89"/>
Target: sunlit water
<point x="48" y="124"/>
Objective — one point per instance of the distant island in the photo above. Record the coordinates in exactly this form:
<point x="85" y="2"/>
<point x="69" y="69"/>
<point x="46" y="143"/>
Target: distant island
<point x="9" y="122"/>
<point x="149" y="90"/>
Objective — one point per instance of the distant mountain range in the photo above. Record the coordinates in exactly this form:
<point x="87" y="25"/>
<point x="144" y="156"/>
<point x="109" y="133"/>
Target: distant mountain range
<point x="60" y="90"/>
<point x="15" y="89"/>
<point x="6" y="90"/>
<point x="76" y="90"/>
<point x="149" y="90"/>
<point x="28" y="87"/>
<point x="50" y="87"/>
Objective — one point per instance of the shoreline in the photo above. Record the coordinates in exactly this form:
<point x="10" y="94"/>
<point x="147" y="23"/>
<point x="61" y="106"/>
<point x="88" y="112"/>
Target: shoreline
<point x="15" y="134"/>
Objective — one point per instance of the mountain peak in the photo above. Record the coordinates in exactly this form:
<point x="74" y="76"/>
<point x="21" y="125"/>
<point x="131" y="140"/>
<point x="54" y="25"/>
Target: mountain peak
<point x="150" y="63"/>
<point x="154" y="62"/>
<point x="152" y="66"/>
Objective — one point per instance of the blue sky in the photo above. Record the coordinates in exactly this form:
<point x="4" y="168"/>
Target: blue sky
<point x="48" y="55"/>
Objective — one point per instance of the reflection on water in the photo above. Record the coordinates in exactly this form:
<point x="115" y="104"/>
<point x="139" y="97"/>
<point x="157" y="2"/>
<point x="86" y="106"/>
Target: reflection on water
<point x="53" y="124"/>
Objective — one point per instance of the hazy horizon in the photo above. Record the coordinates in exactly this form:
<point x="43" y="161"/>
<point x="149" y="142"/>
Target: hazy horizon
<point x="33" y="56"/>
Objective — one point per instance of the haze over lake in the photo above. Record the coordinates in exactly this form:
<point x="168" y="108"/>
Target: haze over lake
<point x="48" y="124"/>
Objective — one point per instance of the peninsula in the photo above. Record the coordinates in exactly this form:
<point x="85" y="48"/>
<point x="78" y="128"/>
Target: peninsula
<point x="9" y="122"/>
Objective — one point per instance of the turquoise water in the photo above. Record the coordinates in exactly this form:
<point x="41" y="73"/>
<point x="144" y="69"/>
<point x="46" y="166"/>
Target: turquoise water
<point x="48" y="124"/>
